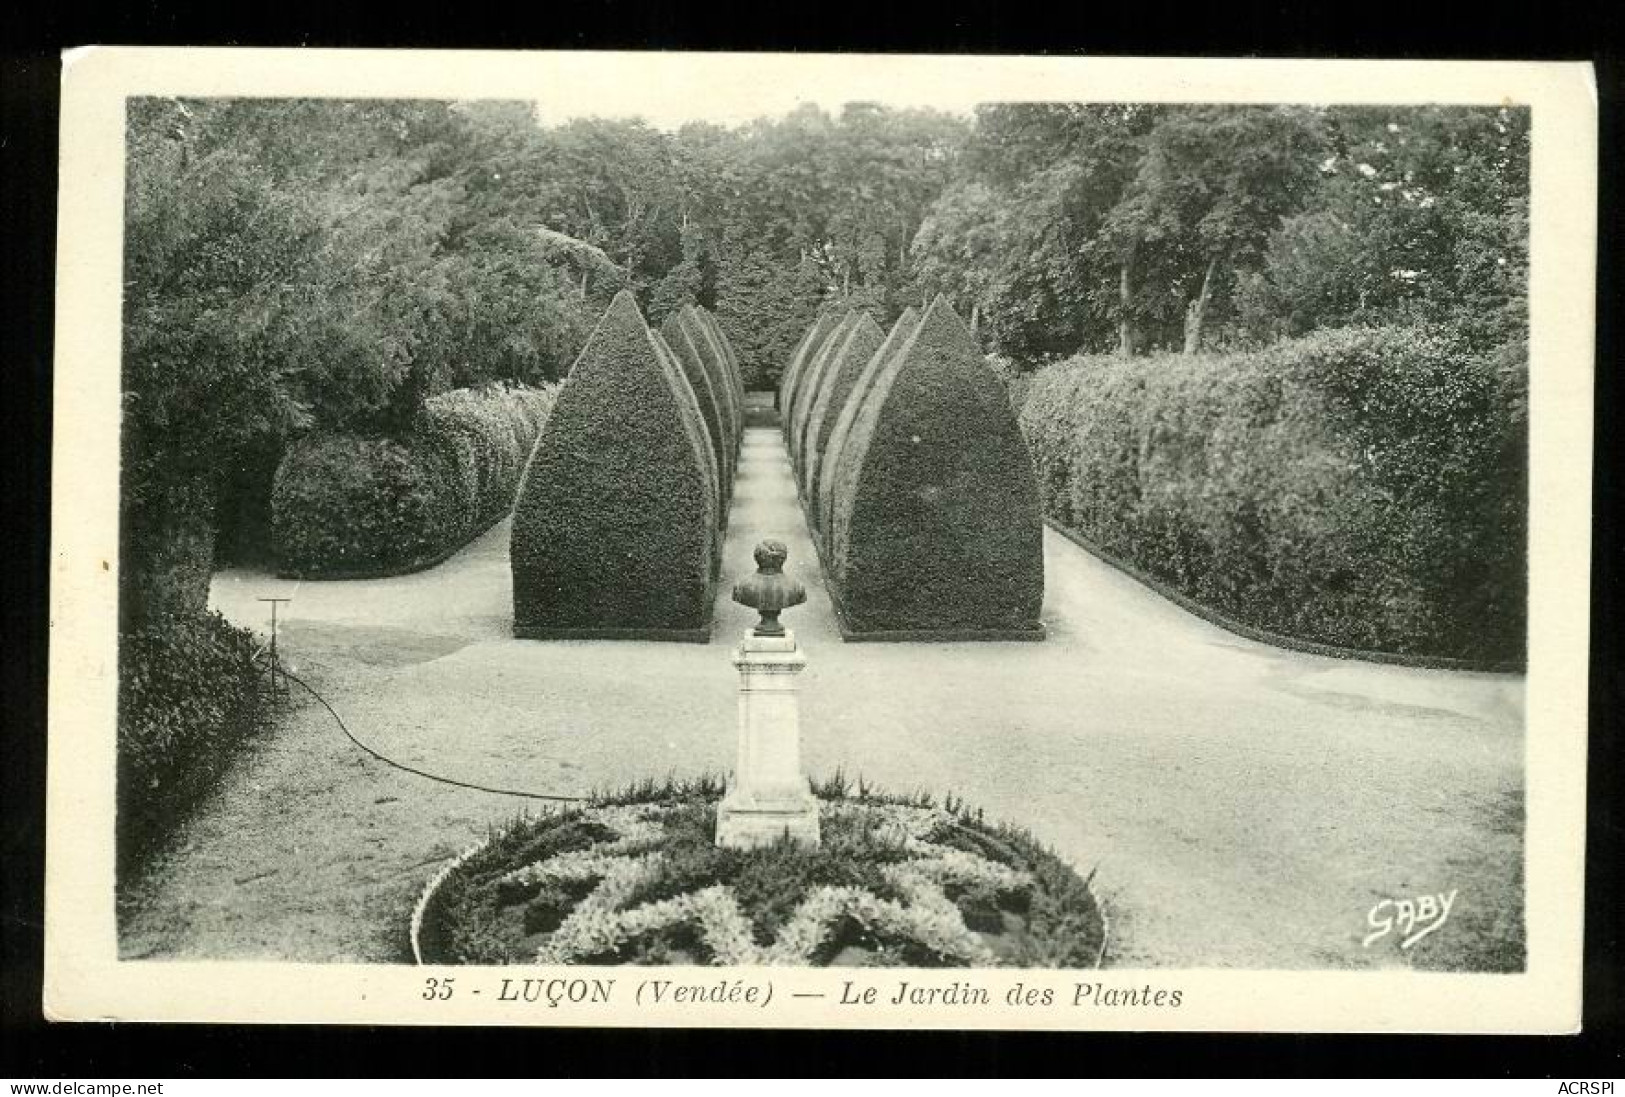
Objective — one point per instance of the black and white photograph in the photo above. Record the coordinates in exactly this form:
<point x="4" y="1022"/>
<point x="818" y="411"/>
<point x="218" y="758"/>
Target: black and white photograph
<point x="579" y="550"/>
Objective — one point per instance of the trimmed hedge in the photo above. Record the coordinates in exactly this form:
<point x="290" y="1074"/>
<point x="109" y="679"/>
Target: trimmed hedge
<point x="812" y="381"/>
<point x="729" y="358"/>
<point x="488" y="434"/>
<point x="840" y="377"/>
<point x="795" y="409"/>
<point x="787" y="374"/>
<point x="847" y="415"/>
<point x="1016" y="382"/>
<point x="805" y="350"/>
<point x="1362" y="488"/>
<point x="615" y="531"/>
<point x="722" y="379"/>
<point x="188" y="700"/>
<point x="709" y="469"/>
<point x="678" y="337"/>
<point x="937" y="525"/>
<point x="345" y="506"/>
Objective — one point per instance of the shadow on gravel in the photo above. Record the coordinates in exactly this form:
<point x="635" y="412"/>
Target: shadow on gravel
<point x="378" y="647"/>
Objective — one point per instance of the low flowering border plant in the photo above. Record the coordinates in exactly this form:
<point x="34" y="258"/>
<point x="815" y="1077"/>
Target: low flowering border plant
<point x="636" y="879"/>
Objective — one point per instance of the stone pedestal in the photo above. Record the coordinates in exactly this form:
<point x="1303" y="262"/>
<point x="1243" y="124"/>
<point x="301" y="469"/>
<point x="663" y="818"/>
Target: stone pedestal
<point x="768" y="797"/>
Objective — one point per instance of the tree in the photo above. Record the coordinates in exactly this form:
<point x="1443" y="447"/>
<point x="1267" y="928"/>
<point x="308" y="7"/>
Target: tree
<point x="764" y="307"/>
<point x="1418" y="214"/>
<point x="844" y="194"/>
<point x="612" y="184"/>
<point x="1013" y="239"/>
<point x="1213" y="183"/>
<point x="960" y="245"/>
<point x="223" y="319"/>
<point x="314" y="264"/>
<point x="681" y="286"/>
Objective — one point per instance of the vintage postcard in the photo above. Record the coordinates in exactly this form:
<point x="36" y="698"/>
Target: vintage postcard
<point x="659" y="539"/>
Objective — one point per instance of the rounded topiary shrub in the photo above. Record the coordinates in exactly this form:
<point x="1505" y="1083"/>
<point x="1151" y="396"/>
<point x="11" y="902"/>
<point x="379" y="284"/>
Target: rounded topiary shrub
<point x="347" y="506"/>
<point x="840" y="377"/>
<point x="937" y="530"/>
<point x="636" y="879"/>
<point x="614" y="533"/>
<point x="823" y="503"/>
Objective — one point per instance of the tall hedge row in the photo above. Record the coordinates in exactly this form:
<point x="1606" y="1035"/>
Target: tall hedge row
<point x="812" y="376"/>
<point x="822" y="506"/>
<point x="936" y="530"/>
<point x="729" y="358"/>
<point x="1362" y="488"/>
<point x="721" y="373"/>
<point x="188" y="698"/>
<point x="807" y="380"/>
<point x="715" y="413"/>
<point x="615" y="531"/>
<point x="839" y="378"/>
<point x="805" y="350"/>
<point x="710" y="471"/>
<point x="345" y="506"/>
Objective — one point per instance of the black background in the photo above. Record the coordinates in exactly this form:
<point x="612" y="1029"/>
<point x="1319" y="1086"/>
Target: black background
<point x="31" y="37"/>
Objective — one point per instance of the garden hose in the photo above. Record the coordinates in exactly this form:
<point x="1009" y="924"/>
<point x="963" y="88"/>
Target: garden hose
<point x="348" y="734"/>
<point x="1100" y="906"/>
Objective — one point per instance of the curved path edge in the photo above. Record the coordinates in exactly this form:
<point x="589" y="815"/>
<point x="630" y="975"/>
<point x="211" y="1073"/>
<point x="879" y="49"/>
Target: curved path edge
<point x="1276" y="639"/>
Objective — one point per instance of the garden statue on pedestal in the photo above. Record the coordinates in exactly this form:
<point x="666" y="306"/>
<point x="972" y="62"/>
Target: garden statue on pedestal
<point x="769" y="797"/>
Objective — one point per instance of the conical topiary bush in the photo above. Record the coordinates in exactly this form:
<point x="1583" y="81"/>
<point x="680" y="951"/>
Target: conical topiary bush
<point x="820" y="330"/>
<point x="704" y="338"/>
<point x="714" y="472"/>
<point x="839" y="378"/>
<point x="614" y="531"/>
<point x="728" y="354"/>
<point x="807" y="388"/>
<point x="845" y="416"/>
<point x="796" y="410"/>
<point x="718" y="420"/>
<point x="937" y="531"/>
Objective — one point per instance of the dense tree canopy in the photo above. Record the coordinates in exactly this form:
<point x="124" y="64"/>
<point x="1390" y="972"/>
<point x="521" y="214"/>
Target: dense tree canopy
<point x="1419" y="214"/>
<point x="1142" y="228"/>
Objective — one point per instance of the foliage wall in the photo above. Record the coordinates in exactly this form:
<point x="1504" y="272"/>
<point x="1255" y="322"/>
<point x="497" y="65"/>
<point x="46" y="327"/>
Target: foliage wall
<point x="347" y="505"/>
<point x="189" y="699"/>
<point x="1360" y="487"/>
<point x="862" y="342"/>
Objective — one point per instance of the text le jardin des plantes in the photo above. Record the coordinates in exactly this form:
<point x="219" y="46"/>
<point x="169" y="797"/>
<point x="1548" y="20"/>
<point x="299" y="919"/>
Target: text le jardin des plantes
<point x="583" y="993"/>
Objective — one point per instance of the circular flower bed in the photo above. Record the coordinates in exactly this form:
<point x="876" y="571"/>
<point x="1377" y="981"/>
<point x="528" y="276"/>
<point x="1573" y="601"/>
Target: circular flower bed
<point x="636" y="879"/>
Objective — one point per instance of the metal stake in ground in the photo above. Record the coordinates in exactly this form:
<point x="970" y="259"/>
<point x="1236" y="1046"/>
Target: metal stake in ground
<point x="768" y="797"/>
<point x="276" y="666"/>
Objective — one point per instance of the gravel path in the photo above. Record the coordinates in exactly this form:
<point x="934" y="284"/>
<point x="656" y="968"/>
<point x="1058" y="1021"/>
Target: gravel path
<point x="1244" y="806"/>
